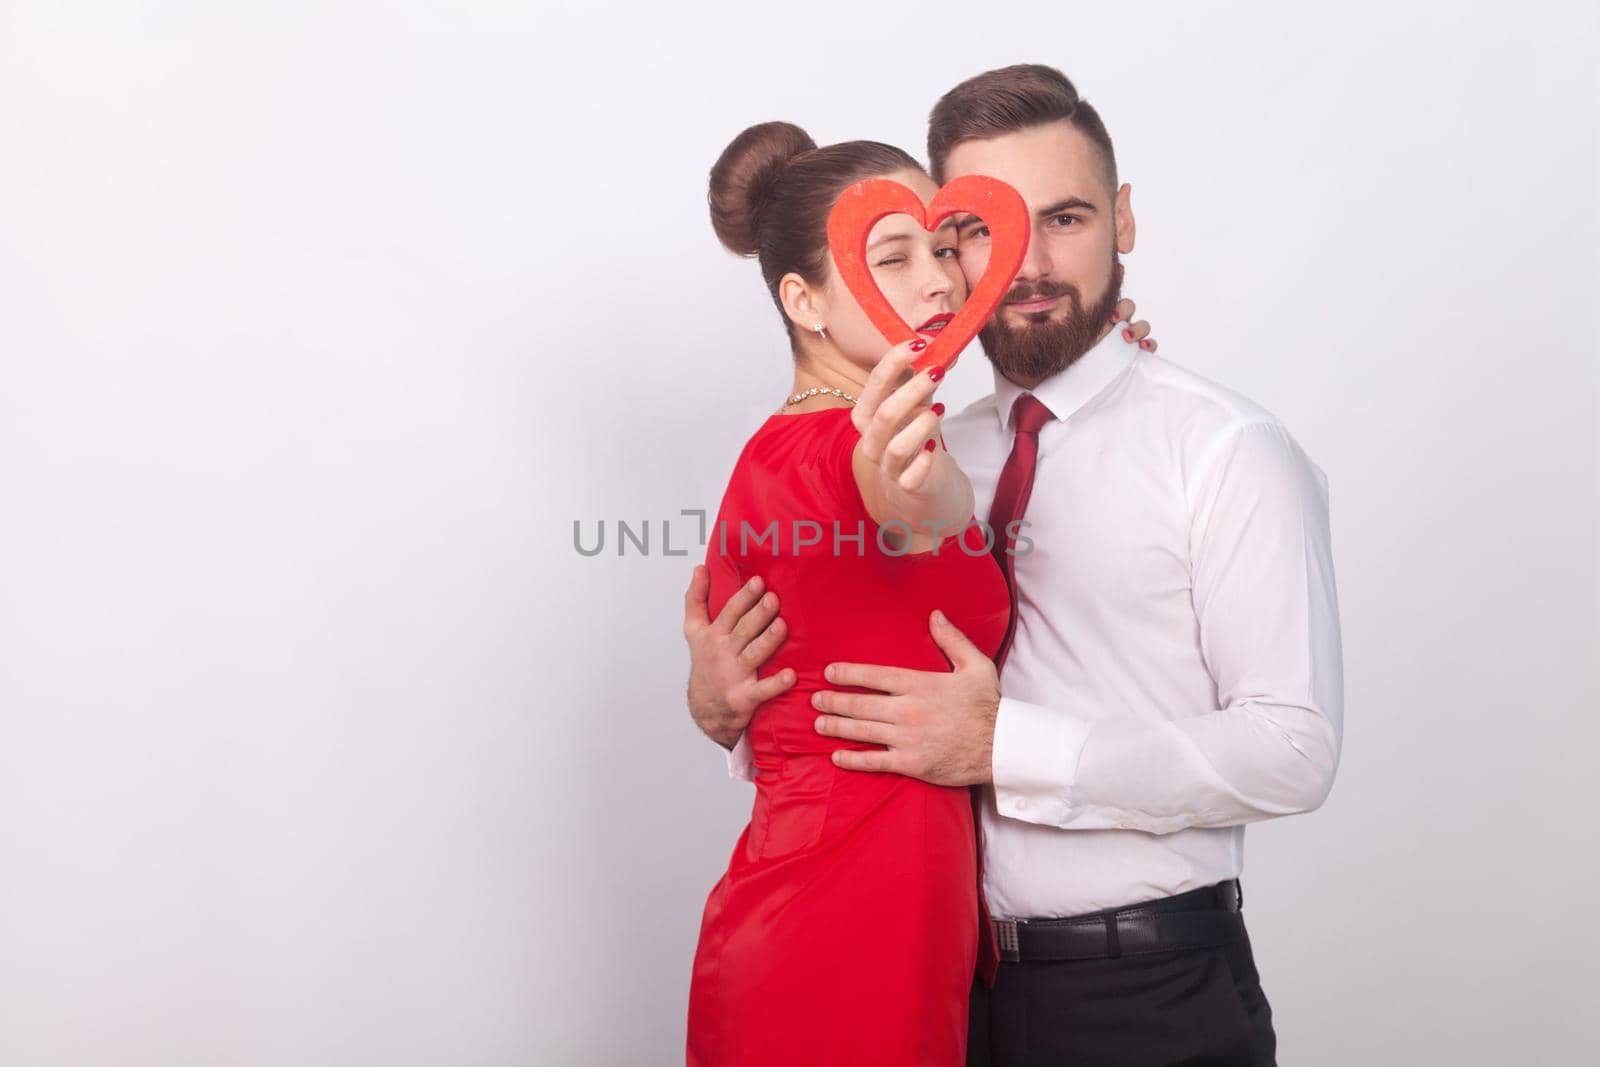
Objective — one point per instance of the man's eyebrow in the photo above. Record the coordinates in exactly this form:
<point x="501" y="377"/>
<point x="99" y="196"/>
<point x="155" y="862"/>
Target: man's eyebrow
<point x="966" y="222"/>
<point x="1071" y="203"/>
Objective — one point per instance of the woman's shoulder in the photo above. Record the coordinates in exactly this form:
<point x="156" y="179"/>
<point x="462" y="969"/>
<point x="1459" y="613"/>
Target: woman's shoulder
<point x="810" y="453"/>
<point x="790" y="442"/>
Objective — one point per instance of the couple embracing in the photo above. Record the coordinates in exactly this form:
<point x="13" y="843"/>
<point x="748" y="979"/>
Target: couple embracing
<point x="1047" y="658"/>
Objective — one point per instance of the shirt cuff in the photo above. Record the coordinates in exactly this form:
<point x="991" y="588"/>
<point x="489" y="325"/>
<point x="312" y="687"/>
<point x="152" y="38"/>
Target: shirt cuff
<point x="1036" y="752"/>
<point x="741" y="764"/>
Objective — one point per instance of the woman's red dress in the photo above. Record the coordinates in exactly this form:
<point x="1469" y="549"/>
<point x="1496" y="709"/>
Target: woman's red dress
<point x="845" y="929"/>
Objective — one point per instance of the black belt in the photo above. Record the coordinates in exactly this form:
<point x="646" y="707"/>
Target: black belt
<point x="1200" y="918"/>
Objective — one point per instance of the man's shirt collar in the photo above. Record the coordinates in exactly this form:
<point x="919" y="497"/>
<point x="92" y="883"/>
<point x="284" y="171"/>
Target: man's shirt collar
<point x="1066" y="391"/>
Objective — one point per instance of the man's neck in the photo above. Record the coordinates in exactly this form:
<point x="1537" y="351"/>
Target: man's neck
<point x="1031" y="384"/>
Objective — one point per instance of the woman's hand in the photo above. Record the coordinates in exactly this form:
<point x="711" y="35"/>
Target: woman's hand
<point x="1134" y="332"/>
<point x="896" y="419"/>
<point x="903" y="472"/>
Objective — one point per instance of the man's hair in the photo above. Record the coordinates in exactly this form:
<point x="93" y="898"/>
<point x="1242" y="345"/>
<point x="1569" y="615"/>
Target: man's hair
<point x="1009" y="99"/>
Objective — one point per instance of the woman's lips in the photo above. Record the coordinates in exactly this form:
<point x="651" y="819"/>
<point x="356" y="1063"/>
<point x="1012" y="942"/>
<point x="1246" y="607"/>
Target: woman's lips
<point x="932" y="327"/>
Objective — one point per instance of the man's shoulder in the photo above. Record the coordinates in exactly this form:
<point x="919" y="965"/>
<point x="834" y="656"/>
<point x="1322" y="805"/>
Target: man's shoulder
<point x="1207" y="422"/>
<point x="1198" y="401"/>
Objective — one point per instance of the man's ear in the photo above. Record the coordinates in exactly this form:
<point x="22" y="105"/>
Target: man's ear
<point x="805" y="306"/>
<point x="1124" y="215"/>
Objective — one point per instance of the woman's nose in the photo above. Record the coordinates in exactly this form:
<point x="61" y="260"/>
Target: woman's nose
<point x="937" y="281"/>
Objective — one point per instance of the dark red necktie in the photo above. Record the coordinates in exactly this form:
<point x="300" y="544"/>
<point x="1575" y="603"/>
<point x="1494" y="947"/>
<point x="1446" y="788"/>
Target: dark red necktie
<point x="1028" y="414"/>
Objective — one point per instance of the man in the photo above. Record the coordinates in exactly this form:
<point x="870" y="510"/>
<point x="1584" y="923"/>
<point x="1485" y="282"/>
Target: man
<point x="1174" y="670"/>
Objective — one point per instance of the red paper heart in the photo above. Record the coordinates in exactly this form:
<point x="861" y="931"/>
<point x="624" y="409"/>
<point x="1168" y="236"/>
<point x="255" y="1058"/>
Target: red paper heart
<point x="999" y="206"/>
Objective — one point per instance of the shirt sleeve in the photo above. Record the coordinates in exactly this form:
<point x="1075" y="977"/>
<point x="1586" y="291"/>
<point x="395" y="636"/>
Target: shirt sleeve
<point x="741" y="765"/>
<point x="1263" y="588"/>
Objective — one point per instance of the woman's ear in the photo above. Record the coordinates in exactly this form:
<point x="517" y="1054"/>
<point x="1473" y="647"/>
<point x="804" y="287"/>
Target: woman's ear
<point x="805" y="306"/>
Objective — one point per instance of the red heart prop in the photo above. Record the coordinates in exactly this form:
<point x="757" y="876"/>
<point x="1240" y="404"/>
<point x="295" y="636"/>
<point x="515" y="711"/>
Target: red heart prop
<point x="999" y="206"/>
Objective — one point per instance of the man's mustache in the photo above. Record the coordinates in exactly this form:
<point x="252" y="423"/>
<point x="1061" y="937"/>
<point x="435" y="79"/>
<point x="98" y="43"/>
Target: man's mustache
<point x="1041" y="291"/>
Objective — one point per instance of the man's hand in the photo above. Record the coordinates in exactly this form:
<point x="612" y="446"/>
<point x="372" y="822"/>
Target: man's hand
<point x="935" y="725"/>
<point x="724" y="656"/>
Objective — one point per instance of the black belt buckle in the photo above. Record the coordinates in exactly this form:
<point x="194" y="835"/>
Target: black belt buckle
<point x="1005" y="936"/>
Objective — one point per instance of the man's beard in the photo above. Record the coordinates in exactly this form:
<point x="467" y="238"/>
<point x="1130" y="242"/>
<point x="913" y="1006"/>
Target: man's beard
<point x="1043" y="347"/>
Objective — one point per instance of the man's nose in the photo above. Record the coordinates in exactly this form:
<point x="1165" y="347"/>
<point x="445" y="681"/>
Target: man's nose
<point x="1036" y="264"/>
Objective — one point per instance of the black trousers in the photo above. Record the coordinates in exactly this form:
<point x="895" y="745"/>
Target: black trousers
<point x="1190" y="1007"/>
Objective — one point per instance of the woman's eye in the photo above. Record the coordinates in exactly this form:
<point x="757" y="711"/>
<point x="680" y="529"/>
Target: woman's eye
<point x="891" y="261"/>
<point x="950" y="252"/>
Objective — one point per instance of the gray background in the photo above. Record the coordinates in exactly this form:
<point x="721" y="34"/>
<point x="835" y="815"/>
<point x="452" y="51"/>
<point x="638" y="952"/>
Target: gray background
<point x="322" y="322"/>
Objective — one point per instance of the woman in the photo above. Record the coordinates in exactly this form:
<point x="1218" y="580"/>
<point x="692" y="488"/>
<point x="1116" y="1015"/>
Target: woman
<point x="845" y="928"/>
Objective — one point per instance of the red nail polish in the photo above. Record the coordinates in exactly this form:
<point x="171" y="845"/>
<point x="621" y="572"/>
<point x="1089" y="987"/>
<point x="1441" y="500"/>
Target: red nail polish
<point x="918" y="345"/>
<point x="1128" y="334"/>
<point x="930" y="446"/>
<point x="938" y="409"/>
<point x="1144" y="344"/>
<point x="935" y="373"/>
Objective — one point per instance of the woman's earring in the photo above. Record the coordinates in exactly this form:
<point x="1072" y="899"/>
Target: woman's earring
<point x="820" y="333"/>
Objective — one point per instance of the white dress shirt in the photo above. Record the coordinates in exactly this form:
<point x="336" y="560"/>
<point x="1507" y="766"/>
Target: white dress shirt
<point x="1176" y="671"/>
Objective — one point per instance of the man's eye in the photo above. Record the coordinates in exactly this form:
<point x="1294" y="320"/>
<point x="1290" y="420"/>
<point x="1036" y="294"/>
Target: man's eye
<point x="978" y="231"/>
<point x="1063" y="219"/>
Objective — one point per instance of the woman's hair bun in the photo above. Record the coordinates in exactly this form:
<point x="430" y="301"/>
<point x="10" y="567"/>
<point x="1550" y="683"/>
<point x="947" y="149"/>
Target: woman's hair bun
<point x="743" y="177"/>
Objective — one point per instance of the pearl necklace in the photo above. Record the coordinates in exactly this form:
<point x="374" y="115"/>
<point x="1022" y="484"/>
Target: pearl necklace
<point x="817" y="390"/>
